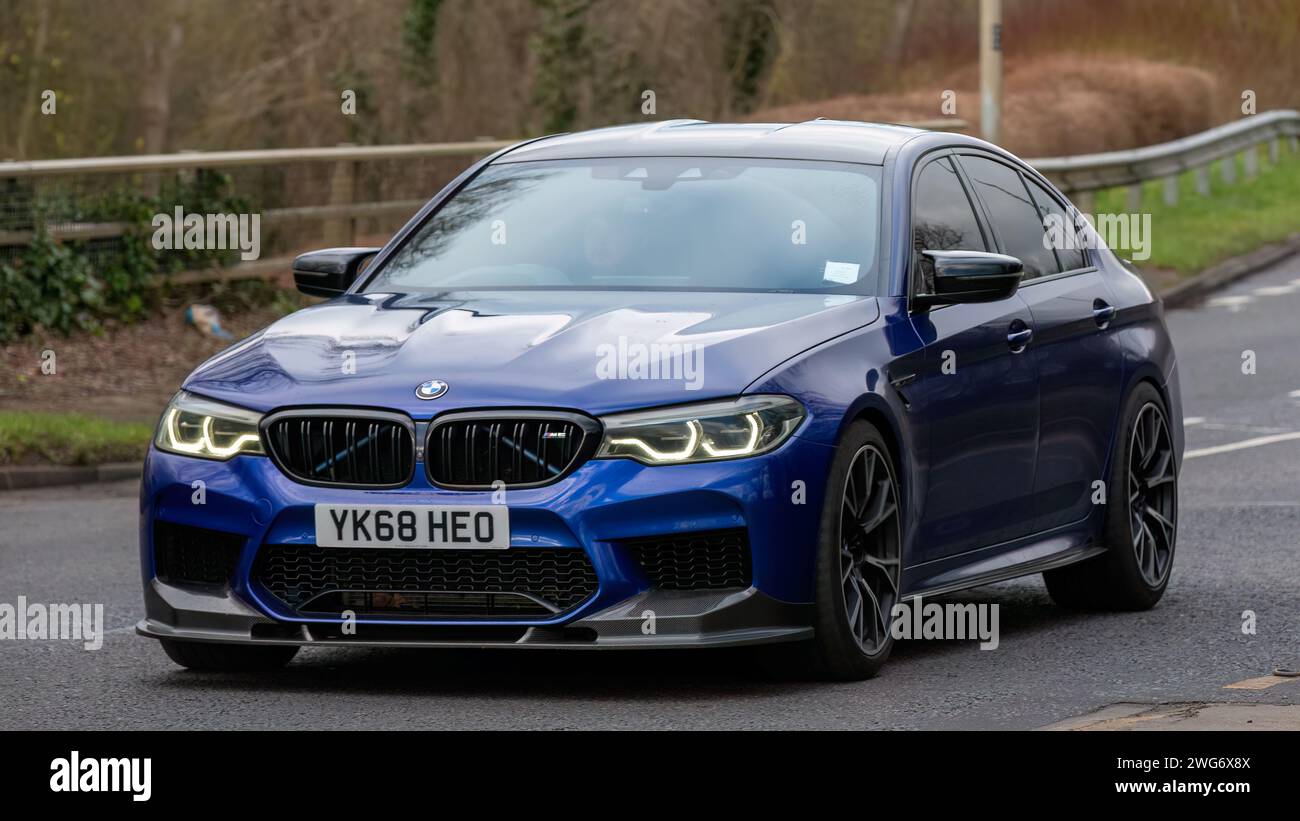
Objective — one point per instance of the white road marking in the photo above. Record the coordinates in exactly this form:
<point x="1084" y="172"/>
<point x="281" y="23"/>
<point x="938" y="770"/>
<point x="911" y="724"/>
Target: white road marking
<point x="1274" y="290"/>
<point x="1232" y="303"/>
<point x="1294" y="394"/>
<point x="1193" y="420"/>
<point x="1243" y="428"/>
<point x="1247" y="443"/>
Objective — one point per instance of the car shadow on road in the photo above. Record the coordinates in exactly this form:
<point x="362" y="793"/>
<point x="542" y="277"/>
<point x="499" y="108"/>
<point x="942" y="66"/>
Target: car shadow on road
<point x="705" y="674"/>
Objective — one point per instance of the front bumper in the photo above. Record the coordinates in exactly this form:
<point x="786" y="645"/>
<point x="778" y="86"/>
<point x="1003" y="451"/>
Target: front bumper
<point x="776" y="497"/>
<point x="679" y="619"/>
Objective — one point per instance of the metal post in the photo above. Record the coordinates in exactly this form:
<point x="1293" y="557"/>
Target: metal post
<point x="1133" y="198"/>
<point x="342" y="230"/>
<point x="1171" y="189"/>
<point x="1252" y="162"/>
<point x="991" y="70"/>
<point x="1203" y="180"/>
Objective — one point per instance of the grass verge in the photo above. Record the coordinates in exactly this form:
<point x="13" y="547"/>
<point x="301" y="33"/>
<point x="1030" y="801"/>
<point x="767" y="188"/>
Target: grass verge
<point x="69" y="439"/>
<point x="1234" y="219"/>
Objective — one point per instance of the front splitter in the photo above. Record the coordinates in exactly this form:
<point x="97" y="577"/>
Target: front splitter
<point x="654" y="619"/>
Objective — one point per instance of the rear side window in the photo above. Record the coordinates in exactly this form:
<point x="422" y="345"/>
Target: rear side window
<point x="942" y="219"/>
<point x="1015" y="216"/>
<point x="1069" y="256"/>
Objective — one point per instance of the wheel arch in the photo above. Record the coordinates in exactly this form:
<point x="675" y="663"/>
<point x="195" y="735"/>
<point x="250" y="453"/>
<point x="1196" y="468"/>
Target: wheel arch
<point x="874" y="409"/>
<point x="1146" y="373"/>
<point x="884" y="423"/>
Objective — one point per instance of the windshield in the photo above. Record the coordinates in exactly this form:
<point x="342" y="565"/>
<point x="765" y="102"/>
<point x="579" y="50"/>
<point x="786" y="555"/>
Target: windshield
<point x="673" y="223"/>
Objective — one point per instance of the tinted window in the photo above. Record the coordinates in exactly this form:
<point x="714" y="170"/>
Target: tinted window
<point x="942" y="219"/>
<point x="669" y="223"/>
<point x="1016" y="218"/>
<point x="1061" y="229"/>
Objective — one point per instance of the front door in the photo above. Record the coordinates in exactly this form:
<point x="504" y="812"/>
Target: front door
<point x="977" y="393"/>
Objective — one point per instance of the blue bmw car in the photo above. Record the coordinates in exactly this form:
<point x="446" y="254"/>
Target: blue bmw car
<point x="676" y="385"/>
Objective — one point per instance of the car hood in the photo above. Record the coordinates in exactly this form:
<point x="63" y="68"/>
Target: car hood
<point x="598" y="351"/>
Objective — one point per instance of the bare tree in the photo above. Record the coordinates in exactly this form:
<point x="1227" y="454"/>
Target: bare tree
<point x="156" y="90"/>
<point x="31" y="100"/>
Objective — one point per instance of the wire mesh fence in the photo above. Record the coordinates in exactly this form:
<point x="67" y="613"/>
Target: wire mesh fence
<point x="298" y="203"/>
<point x="88" y="238"/>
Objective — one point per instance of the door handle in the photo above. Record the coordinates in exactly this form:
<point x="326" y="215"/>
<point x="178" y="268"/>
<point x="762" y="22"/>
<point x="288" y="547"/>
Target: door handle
<point x="1018" y="337"/>
<point x="1102" y="312"/>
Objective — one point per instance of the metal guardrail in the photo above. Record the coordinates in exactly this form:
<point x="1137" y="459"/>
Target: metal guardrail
<point x="1079" y="176"/>
<point x="1083" y="175"/>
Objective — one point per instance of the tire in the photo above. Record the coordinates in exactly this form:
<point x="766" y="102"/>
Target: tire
<point x="197" y="655"/>
<point x="839" y="650"/>
<point x="1133" y="572"/>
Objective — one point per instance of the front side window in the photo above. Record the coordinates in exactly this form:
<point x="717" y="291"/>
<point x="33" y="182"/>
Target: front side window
<point x="1015" y="216"/>
<point x="665" y="223"/>
<point x="942" y="219"/>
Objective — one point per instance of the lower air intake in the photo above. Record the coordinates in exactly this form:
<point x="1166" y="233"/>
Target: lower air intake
<point x="194" y="555"/>
<point x="519" y="582"/>
<point x="708" y="560"/>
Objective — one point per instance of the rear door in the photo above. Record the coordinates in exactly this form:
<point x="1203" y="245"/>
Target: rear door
<point x="1079" y="371"/>
<point x="977" y="393"/>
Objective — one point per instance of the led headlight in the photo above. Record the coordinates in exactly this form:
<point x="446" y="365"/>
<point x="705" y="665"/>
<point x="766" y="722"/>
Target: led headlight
<point x="702" y="433"/>
<point x="195" y="426"/>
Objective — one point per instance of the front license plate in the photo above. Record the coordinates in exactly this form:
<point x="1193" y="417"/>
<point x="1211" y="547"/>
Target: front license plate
<point x="449" y="526"/>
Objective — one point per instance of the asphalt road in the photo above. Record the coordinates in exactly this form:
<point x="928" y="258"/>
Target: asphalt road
<point x="1237" y="550"/>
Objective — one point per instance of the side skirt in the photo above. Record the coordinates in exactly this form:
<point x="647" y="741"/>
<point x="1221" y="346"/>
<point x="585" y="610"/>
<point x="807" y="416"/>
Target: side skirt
<point x="1026" y="558"/>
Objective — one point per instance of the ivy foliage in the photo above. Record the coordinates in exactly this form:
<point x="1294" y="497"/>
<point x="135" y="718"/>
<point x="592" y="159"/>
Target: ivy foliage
<point x="564" y="58"/>
<point x="751" y="49"/>
<point x="419" y="35"/>
<point x="77" y="284"/>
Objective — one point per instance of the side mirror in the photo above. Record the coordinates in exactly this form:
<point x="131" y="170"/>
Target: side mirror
<point x="331" y="271"/>
<point x="971" y="276"/>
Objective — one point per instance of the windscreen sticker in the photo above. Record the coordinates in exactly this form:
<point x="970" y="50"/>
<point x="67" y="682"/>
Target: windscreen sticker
<point x="841" y="273"/>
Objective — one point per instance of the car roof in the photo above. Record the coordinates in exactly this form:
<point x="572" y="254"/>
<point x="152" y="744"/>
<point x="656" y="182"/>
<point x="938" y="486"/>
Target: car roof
<point x="828" y="140"/>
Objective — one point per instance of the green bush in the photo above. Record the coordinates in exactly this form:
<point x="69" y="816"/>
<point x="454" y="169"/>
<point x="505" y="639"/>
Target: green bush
<point x="77" y="284"/>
